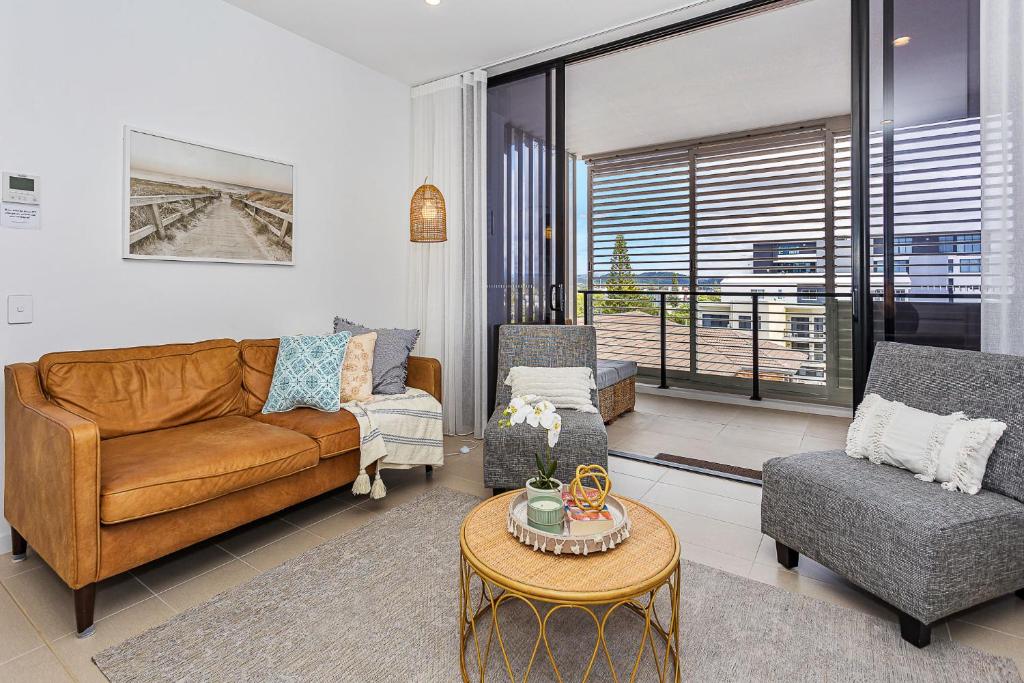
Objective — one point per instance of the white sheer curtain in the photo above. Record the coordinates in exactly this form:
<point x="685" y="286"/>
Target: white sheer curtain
<point x="448" y="281"/>
<point x="1002" y="136"/>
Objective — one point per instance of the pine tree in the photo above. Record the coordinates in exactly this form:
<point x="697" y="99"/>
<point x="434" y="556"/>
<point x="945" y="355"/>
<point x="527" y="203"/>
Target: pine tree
<point x="678" y="310"/>
<point x="621" y="278"/>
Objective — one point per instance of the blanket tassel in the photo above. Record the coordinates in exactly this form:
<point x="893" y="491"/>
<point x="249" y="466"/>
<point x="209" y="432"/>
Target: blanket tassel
<point x="378" y="490"/>
<point x="361" y="486"/>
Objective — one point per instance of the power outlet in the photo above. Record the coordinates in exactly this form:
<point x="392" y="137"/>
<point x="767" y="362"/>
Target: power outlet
<point x="19" y="309"/>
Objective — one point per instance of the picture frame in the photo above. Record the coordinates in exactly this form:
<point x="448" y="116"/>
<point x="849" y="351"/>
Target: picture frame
<point x="189" y="201"/>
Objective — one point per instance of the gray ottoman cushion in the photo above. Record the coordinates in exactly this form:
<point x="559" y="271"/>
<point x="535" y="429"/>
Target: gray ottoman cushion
<point x="926" y="551"/>
<point x="511" y="451"/>
<point x="611" y="372"/>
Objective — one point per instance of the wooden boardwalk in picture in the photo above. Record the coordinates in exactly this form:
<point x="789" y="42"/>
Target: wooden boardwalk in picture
<point x="223" y="229"/>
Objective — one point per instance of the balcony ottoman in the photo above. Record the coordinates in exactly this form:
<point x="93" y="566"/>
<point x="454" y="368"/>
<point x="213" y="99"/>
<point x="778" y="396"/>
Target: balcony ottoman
<point x="616" y="388"/>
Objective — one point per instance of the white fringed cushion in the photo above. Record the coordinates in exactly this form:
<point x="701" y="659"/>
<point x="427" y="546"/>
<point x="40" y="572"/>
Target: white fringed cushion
<point x="564" y="387"/>
<point x="951" y="449"/>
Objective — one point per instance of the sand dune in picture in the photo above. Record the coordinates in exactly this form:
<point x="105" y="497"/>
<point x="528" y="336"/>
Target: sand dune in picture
<point x="204" y="221"/>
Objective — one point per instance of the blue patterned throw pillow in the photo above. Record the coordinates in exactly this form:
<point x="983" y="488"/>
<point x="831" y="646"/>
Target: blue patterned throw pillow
<point x="308" y="373"/>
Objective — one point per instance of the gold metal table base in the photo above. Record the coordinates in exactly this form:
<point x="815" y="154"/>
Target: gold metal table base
<point x="478" y="645"/>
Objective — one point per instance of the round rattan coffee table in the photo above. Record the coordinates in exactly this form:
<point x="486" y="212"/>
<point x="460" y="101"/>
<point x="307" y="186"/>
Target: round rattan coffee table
<point x="502" y="570"/>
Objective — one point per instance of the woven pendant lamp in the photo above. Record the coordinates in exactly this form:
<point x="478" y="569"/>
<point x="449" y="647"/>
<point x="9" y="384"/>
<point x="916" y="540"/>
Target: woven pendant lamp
<point x="428" y="221"/>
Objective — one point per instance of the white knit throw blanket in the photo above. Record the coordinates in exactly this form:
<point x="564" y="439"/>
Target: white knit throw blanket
<point x="396" y="432"/>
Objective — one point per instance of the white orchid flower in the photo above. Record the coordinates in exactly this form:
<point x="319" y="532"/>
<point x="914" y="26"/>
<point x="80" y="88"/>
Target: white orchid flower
<point x="522" y="401"/>
<point x="533" y="417"/>
<point x="545" y="406"/>
<point x="518" y="409"/>
<point x="548" y="417"/>
<point x="554" y="430"/>
<point x="538" y="414"/>
<point x="535" y="412"/>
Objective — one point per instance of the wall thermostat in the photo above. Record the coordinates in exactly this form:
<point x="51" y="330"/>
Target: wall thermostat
<point x="20" y="188"/>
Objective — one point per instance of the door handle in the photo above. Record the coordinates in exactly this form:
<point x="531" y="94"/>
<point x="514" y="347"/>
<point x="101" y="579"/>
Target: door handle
<point x="557" y="297"/>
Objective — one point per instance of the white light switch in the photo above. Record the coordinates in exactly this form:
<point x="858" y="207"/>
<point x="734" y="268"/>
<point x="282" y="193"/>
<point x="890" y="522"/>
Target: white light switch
<point x="19" y="309"/>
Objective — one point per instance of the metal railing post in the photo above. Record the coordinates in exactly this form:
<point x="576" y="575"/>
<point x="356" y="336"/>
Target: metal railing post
<point x="755" y="329"/>
<point x="664" y="340"/>
<point x="629" y="336"/>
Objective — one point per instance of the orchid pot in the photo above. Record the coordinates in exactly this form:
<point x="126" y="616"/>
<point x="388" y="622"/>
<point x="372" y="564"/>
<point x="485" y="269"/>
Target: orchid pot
<point x="533" y="492"/>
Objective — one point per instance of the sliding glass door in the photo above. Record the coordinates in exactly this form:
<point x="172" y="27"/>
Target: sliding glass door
<point x="526" y="176"/>
<point x="691" y="242"/>
<point x="925" y="161"/>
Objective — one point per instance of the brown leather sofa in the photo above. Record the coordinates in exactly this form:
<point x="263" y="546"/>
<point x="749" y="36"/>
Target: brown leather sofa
<point x="118" y="457"/>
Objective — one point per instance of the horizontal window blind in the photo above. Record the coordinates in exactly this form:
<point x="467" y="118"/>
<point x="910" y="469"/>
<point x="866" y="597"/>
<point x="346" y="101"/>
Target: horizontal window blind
<point x="642" y="202"/>
<point x="640" y="221"/>
<point x="709" y="223"/>
<point x="761" y="226"/>
<point x="842" y="212"/>
<point x="761" y="211"/>
<point x="936" y="210"/>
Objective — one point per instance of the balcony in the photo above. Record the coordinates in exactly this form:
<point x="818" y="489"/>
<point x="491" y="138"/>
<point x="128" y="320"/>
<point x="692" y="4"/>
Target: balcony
<point x="730" y="439"/>
<point x="800" y="348"/>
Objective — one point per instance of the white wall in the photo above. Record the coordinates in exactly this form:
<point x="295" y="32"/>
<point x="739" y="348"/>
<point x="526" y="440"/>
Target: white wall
<point x="73" y="73"/>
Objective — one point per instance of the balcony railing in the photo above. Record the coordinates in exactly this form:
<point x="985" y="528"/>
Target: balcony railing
<point x="795" y="342"/>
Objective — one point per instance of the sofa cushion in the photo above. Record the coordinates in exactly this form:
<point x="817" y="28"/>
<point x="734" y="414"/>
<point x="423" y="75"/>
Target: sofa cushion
<point x="945" y="381"/>
<point x="126" y="391"/>
<point x="611" y="372"/>
<point x="390" y="355"/>
<point x="146" y="474"/>
<point x="927" y="551"/>
<point x="308" y="373"/>
<point x="259" y="356"/>
<point x="334" y="433"/>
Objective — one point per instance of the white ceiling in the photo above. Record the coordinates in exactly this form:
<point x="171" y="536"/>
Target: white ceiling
<point x="416" y="43"/>
<point x="783" y="66"/>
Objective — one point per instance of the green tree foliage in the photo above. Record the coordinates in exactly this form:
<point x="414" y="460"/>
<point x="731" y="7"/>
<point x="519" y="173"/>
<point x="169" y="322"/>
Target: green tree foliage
<point x="621" y="278"/>
<point x="678" y="309"/>
<point x="679" y="306"/>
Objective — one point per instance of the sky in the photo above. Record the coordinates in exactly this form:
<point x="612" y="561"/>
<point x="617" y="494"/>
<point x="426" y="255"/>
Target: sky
<point x="581" y="217"/>
<point x="172" y="157"/>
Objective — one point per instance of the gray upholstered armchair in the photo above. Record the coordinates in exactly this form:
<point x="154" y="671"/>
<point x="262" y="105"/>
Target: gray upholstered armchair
<point x="926" y="551"/>
<point x="509" y="453"/>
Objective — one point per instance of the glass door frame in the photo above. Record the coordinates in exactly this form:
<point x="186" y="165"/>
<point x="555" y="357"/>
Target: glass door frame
<point x="860" y="16"/>
<point x="554" y="73"/>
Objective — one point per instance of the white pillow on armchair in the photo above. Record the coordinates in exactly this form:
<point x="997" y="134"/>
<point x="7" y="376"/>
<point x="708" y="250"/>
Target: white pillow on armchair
<point x="564" y="387"/>
<point x="951" y="449"/>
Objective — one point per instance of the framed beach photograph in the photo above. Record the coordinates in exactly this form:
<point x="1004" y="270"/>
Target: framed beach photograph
<point x="190" y="202"/>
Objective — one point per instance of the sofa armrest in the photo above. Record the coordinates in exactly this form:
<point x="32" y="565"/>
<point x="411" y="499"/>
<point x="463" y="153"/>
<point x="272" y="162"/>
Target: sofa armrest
<point x="425" y="374"/>
<point x="52" y="479"/>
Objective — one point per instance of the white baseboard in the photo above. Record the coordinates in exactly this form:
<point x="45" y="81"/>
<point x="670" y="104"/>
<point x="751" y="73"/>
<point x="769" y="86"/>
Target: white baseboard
<point x="5" y="544"/>
<point x="735" y="399"/>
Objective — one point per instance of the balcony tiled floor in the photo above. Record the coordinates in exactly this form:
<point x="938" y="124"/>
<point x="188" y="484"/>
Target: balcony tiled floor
<point x="718" y="522"/>
<point x="739" y="435"/>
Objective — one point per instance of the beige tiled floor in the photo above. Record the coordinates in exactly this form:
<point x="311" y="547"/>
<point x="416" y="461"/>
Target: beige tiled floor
<point x="732" y="434"/>
<point x="717" y="520"/>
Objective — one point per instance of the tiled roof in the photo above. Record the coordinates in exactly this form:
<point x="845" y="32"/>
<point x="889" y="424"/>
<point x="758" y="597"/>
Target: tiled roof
<point x="634" y="335"/>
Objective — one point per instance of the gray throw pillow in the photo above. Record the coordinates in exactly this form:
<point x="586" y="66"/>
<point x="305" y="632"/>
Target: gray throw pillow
<point x="390" y="354"/>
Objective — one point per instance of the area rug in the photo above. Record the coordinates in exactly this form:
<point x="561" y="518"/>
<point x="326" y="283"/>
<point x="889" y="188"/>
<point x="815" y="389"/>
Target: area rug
<point x="380" y="604"/>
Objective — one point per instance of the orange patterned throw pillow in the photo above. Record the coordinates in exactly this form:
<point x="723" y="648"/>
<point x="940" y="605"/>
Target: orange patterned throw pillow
<point x="357" y="370"/>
